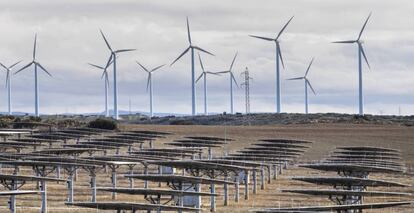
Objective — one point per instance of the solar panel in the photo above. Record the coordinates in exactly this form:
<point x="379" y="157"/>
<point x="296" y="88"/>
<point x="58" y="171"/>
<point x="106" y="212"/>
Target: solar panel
<point x="130" y="206"/>
<point x="286" y="141"/>
<point x="368" y="148"/>
<point x="349" y="181"/>
<point x="18" y="192"/>
<point x="349" y="167"/>
<point x="147" y="191"/>
<point x="333" y="192"/>
<point x="209" y="138"/>
<point x="177" y="179"/>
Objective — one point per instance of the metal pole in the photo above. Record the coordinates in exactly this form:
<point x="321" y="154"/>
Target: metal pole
<point x="44" y="197"/>
<point x="361" y="98"/>
<point x="237" y="189"/>
<point x="193" y="89"/>
<point x="113" y="183"/>
<point x="150" y="87"/>
<point x="205" y="94"/>
<point x="262" y="178"/>
<point x="213" y="198"/>
<point x="231" y="93"/>
<point x="226" y="191"/>
<point x="93" y="186"/>
<point x="36" y="93"/>
<point x="246" y="184"/>
<point x="278" y="105"/>
<point x="306" y="96"/>
<point x="116" y="115"/>
<point x="106" y="95"/>
<point x="70" y="187"/>
<point x="254" y="182"/>
<point x="9" y="94"/>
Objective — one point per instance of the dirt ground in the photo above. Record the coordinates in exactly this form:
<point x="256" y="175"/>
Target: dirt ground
<point x="324" y="137"/>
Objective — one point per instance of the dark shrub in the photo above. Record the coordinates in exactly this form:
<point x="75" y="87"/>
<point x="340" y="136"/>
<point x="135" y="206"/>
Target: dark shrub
<point x="181" y="122"/>
<point x="101" y="123"/>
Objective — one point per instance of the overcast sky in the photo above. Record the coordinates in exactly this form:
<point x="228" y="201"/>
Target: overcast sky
<point x="68" y="38"/>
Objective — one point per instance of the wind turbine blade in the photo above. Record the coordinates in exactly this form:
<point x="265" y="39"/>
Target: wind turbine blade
<point x="14" y="64"/>
<point x="310" y="86"/>
<point x="232" y="63"/>
<point x="299" y="78"/>
<point x="284" y="27"/>
<point x="107" y="80"/>
<point x="203" y="73"/>
<point x="4" y="66"/>
<point x="34" y="47"/>
<point x="148" y="81"/>
<point x="156" y="68"/>
<point x="202" y="50"/>
<point x="310" y="64"/>
<point x="260" y="37"/>
<point x="124" y="50"/>
<point x="221" y="72"/>
<point x="363" y="27"/>
<point x="201" y="62"/>
<point x="110" y="61"/>
<point x="21" y="69"/>
<point x="144" y="68"/>
<point x="7" y="78"/>
<point x="188" y="31"/>
<point x="365" y="56"/>
<point x="185" y="51"/>
<point x="96" y="66"/>
<point x="280" y="56"/>
<point x="344" y="42"/>
<point x="213" y="73"/>
<point x="106" y="41"/>
<point x="41" y="67"/>
<point x="234" y="79"/>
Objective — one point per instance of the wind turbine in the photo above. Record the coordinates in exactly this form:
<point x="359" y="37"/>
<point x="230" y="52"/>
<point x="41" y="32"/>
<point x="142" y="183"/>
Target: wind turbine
<point x="192" y="48"/>
<point x="149" y="83"/>
<point x="361" y="53"/>
<point x="36" y="64"/>
<point x="106" y="80"/>
<point x="307" y="83"/>
<point x="278" y="57"/>
<point x="204" y="75"/>
<point x="113" y="59"/>
<point x="8" y="84"/>
<point x="231" y="82"/>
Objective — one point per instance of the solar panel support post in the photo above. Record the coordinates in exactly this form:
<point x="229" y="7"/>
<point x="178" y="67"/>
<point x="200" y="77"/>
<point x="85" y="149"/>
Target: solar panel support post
<point x="145" y="173"/>
<point x="93" y="185"/>
<point x="280" y="169"/>
<point x="159" y="172"/>
<point x="113" y="178"/>
<point x="285" y="165"/>
<point x="58" y="172"/>
<point x="12" y="202"/>
<point x="226" y="191"/>
<point x="70" y="188"/>
<point x="262" y="178"/>
<point x="44" y="197"/>
<point x="198" y="202"/>
<point x="212" y="198"/>
<point x="131" y="180"/>
<point x="274" y="171"/>
<point x="269" y="173"/>
<point x="254" y="182"/>
<point x="210" y="154"/>
<point x="246" y="184"/>
<point x="237" y="189"/>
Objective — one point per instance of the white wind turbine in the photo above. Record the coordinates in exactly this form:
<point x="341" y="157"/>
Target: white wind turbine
<point x="231" y="82"/>
<point x="36" y="64"/>
<point x="192" y="48"/>
<point x="307" y="83"/>
<point x="113" y="58"/>
<point x="204" y="75"/>
<point x="149" y="83"/>
<point x="278" y="56"/>
<point x="361" y="53"/>
<point x="106" y="80"/>
<point x="8" y="85"/>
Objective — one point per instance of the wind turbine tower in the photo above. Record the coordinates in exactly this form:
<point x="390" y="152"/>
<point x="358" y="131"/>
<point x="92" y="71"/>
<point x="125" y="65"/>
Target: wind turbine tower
<point x="279" y="59"/>
<point x="8" y="85"/>
<point x="192" y="48"/>
<point x="361" y="53"/>
<point x="36" y="64"/>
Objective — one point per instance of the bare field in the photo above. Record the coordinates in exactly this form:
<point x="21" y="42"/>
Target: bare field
<point x="325" y="138"/>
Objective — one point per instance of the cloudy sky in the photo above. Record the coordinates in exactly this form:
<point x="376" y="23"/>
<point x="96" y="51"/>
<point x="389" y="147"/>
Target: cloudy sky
<point x="68" y="38"/>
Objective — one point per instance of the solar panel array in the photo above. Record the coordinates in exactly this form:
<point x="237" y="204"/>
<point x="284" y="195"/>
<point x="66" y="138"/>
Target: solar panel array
<point x="347" y="192"/>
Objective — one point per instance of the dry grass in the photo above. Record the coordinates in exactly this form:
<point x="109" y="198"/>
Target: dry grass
<point x="325" y="138"/>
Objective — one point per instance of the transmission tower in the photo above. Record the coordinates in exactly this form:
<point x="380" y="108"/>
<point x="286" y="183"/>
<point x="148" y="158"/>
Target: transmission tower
<point x="246" y="86"/>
